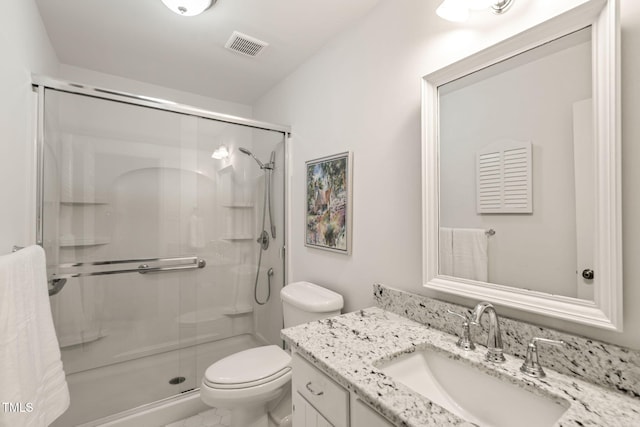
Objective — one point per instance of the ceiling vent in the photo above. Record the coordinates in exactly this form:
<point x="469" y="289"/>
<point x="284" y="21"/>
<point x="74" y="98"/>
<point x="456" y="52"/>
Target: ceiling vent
<point x="244" y="44"/>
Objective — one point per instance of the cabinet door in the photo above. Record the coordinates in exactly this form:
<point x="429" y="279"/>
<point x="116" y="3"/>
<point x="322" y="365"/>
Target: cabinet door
<point x="363" y="416"/>
<point x="305" y="415"/>
<point x="320" y="391"/>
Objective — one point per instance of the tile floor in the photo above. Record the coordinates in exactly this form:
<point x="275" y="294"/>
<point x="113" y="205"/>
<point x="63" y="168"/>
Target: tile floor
<point x="211" y="418"/>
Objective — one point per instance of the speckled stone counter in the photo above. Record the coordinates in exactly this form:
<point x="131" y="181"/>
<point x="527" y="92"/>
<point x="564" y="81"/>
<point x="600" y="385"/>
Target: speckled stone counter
<point x="350" y="347"/>
<point x="597" y="362"/>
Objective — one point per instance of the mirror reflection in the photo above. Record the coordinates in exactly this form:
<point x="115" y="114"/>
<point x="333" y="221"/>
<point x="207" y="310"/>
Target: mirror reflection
<point x="517" y="176"/>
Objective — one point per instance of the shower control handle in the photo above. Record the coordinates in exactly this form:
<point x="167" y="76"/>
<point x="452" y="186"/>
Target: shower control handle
<point x="263" y="240"/>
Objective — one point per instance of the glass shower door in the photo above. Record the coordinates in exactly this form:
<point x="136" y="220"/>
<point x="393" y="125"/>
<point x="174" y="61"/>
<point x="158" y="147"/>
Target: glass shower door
<point x="121" y="188"/>
<point x="156" y="241"/>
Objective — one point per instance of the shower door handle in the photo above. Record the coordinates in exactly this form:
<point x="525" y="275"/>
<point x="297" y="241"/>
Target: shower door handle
<point x="142" y="268"/>
<point x="145" y="268"/>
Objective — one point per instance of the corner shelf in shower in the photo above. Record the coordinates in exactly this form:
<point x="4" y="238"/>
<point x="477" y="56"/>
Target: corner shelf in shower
<point x="237" y="310"/>
<point x="84" y="241"/>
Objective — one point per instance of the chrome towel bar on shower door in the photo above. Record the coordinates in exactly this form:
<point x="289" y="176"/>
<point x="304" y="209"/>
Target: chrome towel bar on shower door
<point x="58" y="279"/>
<point x="194" y="262"/>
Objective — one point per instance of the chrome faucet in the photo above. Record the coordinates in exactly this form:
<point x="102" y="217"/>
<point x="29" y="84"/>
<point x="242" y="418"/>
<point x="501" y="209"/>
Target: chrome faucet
<point x="494" y="339"/>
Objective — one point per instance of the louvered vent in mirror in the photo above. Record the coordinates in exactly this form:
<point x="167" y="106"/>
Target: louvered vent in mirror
<point x="503" y="178"/>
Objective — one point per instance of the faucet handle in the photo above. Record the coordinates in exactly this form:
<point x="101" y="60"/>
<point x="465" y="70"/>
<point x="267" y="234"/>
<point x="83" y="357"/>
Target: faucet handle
<point x="465" y="341"/>
<point x="531" y="365"/>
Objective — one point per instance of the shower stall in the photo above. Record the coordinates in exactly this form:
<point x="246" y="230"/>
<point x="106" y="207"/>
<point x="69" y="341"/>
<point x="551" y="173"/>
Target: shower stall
<point x="156" y="253"/>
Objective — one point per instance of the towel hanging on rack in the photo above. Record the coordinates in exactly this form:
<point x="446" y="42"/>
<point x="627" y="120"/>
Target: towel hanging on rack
<point x="30" y="366"/>
<point x="446" y="251"/>
<point x="470" y="255"/>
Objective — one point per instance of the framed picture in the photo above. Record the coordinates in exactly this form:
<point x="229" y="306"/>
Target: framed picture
<point x="329" y="203"/>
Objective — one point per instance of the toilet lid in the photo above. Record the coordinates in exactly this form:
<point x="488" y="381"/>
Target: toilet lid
<point x="249" y="367"/>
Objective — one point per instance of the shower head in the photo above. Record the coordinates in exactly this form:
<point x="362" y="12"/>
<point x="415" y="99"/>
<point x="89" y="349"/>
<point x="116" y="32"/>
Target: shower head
<point x="249" y="153"/>
<point x="262" y="165"/>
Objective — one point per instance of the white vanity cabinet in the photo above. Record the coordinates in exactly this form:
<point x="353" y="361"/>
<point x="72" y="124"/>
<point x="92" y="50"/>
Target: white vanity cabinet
<point x="363" y="416"/>
<point x="317" y="396"/>
<point x="318" y="401"/>
<point x="305" y="415"/>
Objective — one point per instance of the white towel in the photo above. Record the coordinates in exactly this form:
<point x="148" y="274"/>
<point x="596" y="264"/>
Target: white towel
<point x="445" y="251"/>
<point x="470" y="260"/>
<point x="33" y="389"/>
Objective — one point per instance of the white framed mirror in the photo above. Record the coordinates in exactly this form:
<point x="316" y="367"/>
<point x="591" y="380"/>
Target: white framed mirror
<point x="521" y="171"/>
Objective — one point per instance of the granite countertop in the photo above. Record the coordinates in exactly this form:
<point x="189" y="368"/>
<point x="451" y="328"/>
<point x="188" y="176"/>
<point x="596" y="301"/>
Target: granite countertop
<point x="349" y="347"/>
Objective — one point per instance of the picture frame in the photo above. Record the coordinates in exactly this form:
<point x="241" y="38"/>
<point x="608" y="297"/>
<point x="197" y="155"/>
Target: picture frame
<point x="329" y="203"/>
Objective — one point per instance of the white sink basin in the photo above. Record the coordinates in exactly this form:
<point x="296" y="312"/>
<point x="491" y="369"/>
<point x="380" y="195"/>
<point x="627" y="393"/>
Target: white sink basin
<point x="470" y="393"/>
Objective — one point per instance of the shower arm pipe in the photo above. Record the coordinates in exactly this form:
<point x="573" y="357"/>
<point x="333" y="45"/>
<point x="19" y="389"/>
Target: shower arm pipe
<point x="39" y="81"/>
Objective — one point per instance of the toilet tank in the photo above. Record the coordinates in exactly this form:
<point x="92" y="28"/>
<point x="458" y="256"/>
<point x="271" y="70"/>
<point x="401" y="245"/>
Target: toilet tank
<point x="304" y="302"/>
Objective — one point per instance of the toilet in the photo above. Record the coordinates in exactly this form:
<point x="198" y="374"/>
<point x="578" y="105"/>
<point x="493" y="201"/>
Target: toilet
<point x="248" y="381"/>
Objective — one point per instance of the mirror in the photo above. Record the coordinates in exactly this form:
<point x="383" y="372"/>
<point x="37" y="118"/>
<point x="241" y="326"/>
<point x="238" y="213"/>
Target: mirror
<point x="521" y="171"/>
<point x="516" y="158"/>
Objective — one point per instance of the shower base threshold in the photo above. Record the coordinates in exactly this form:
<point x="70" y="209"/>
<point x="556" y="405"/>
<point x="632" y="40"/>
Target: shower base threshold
<point x="109" y="394"/>
<point x="155" y="414"/>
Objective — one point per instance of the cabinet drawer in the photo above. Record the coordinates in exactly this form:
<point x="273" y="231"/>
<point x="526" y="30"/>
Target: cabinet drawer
<point x="324" y="394"/>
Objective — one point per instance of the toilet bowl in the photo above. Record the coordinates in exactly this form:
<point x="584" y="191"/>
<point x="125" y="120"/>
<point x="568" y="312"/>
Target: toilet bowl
<point x="249" y="381"/>
<point x="246" y="382"/>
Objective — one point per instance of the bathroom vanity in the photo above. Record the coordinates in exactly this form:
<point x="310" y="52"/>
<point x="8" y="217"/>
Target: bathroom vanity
<point x="319" y="401"/>
<point x="340" y="374"/>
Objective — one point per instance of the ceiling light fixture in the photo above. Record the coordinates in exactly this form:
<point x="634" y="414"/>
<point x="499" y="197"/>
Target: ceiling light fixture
<point x="188" y="7"/>
<point x="453" y="10"/>
<point x="220" y="153"/>
<point x="458" y="10"/>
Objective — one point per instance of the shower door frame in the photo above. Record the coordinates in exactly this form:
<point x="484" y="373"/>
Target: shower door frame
<point x="41" y="83"/>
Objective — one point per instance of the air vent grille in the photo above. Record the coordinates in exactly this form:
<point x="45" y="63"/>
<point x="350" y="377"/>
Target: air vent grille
<point x="245" y="45"/>
<point x="503" y="182"/>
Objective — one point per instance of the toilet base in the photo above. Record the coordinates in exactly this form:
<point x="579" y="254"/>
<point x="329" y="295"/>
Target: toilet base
<point x="248" y="410"/>
<point x="254" y="416"/>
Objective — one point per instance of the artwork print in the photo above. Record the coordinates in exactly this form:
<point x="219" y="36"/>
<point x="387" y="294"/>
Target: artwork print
<point x="328" y="210"/>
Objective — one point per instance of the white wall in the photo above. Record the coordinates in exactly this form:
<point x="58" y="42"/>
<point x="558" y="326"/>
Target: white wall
<point x="25" y="49"/>
<point x="110" y="81"/>
<point x="361" y="92"/>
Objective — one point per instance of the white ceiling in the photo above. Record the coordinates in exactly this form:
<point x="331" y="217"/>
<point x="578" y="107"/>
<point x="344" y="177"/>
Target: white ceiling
<point x="145" y="41"/>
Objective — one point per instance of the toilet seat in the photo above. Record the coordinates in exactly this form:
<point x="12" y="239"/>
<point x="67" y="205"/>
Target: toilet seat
<point x="247" y="384"/>
<point x="248" y="368"/>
